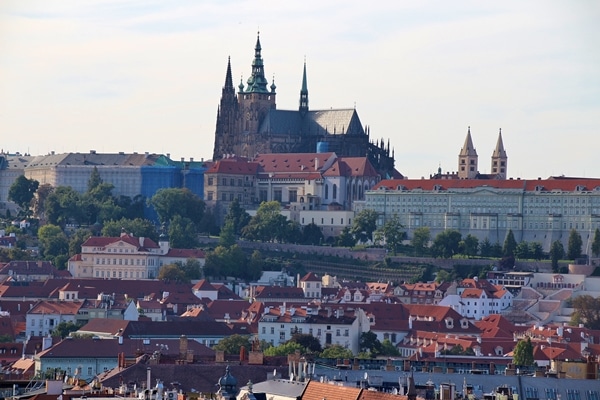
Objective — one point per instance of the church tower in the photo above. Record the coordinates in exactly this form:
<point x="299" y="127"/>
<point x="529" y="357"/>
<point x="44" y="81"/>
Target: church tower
<point x="499" y="159"/>
<point x="255" y="102"/>
<point x="304" y="93"/>
<point x="467" y="159"/>
<point x="227" y="118"/>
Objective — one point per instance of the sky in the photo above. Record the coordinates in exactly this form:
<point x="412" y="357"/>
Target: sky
<point x="146" y="75"/>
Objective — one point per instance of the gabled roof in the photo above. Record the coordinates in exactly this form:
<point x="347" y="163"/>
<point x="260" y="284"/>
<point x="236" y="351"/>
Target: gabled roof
<point x="317" y="122"/>
<point x="28" y="268"/>
<point x="272" y="292"/>
<point x="185" y="253"/>
<point x="53" y="307"/>
<point x="101" y="241"/>
<point x="319" y="391"/>
<point x="234" y="166"/>
<point x="310" y="277"/>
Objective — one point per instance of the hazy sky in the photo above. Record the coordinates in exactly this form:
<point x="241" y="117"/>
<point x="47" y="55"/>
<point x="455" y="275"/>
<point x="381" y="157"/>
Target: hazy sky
<point x="146" y="75"/>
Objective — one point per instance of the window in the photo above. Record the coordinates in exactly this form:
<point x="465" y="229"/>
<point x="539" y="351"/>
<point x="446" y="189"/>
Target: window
<point x="293" y="196"/>
<point x="209" y="196"/>
<point x="326" y="191"/>
<point x="224" y="196"/>
<point x="272" y="330"/>
<point x="232" y="182"/>
<point x="210" y="181"/>
<point x="334" y="191"/>
<point x="277" y="195"/>
<point x="224" y="181"/>
<point x="264" y="330"/>
<point x="240" y="182"/>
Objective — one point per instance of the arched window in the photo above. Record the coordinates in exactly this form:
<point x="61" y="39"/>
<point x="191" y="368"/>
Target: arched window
<point x="326" y="191"/>
<point x="334" y="191"/>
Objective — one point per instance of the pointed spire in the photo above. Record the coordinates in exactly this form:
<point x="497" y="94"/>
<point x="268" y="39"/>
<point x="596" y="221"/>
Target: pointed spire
<point x="468" y="149"/>
<point x="257" y="83"/>
<point x="499" y="150"/>
<point x="228" y="78"/>
<point x="304" y="92"/>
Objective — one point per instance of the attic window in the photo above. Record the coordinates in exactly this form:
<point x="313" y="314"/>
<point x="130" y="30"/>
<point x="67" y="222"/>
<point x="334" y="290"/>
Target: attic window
<point x="464" y="323"/>
<point x="539" y="188"/>
<point x="580" y="188"/>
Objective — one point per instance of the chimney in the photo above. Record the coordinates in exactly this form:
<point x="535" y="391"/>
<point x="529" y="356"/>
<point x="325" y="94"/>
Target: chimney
<point x="46" y="342"/>
<point x="120" y="339"/>
<point x="148" y="381"/>
<point x="141" y="241"/>
<point x="316" y="163"/>
<point x="183" y="346"/>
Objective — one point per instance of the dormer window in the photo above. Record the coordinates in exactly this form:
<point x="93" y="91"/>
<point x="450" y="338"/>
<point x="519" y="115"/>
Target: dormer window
<point x="449" y="323"/>
<point x="464" y="323"/>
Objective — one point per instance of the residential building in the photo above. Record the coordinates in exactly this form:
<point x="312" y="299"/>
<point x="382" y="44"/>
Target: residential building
<point x="45" y="316"/>
<point x="127" y="257"/>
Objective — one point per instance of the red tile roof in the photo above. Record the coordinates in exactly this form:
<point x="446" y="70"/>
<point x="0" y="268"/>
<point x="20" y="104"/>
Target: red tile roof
<point x="101" y="241"/>
<point x="234" y="166"/>
<point x="567" y="185"/>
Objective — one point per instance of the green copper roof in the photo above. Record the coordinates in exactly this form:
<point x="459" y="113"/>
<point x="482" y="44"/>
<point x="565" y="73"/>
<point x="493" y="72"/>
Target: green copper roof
<point x="257" y="83"/>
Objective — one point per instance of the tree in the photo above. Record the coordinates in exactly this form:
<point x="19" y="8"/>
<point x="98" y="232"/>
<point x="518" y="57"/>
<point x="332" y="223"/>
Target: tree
<point x="22" y="191"/>
<point x="283" y="349"/>
<point x="392" y="233"/>
<point x="368" y="342"/>
<point x="587" y="310"/>
<point x="443" y="276"/>
<point x="64" y="329"/>
<point x="522" y="250"/>
<point x="574" y="246"/>
<point x="388" y="349"/>
<point x="95" y="179"/>
<point x="308" y="342"/>
<point x="337" y="351"/>
<point x="267" y="225"/>
<point x="523" y="353"/>
<point x="191" y="268"/>
<point x="77" y="239"/>
<point x="62" y="206"/>
<point x="232" y="344"/>
<point x="346" y="239"/>
<point x="208" y="223"/>
<point x="53" y="241"/>
<point x="420" y="239"/>
<point x="469" y="245"/>
<point x="596" y="243"/>
<point x="510" y="245"/>
<point x="182" y="233"/>
<point x="238" y="217"/>
<point x="446" y="244"/>
<point x="139" y="227"/>
<point x="557" y="252"/>
<point x="176" y="201"/>
<point x="172" y="272"/>
<point x="536" y="250"/>
<point x="227" y="236"/>
<point x="311" y="234"/>
<point x="485" y="248"/>
<point x="39" y="201"/>
<point x="364" y="224"/>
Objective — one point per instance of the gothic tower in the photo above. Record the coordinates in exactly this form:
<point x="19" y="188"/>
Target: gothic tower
<point x="255" y="102"/>
<point x="227" y="118"/>
<point x="499" y="159"/>
<point x="467" y="159"/>
<point x="304" y="93"/>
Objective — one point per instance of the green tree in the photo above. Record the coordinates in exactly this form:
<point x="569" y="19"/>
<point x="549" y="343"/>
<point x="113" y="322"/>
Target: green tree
<point x="446" y="244"/>
<point x="388" y="349"/>
<point x="420" y="240"/>
<point x="443" y="276"/>
<point x="53" y="241"/>
<point x="469" y="246"/>
<point x="175" y="201"/>
<point x="368" y="342"/>
<point x="510" y="245"/>
<point x="574" y="246"/>
<point x="233" y="343"/>
<point x="485" y="248"/>
<point x="587" y="310"/>
<point x="523" y="353"/>
<point x="238" y="217"/>
<point x="182" y="233"/>
<point x="172" y="272"/>
<point x="62" y="206"/>
<point x="267" y="225"/>
<point x="596" y="243"/>
<point x="64" y="329"/>
<point x="346" y="239"/>
<point x="536" y="250"/>
<point x="38" y="203"/>
<point x="139" y="227"/>
<point x="312" y="234"/>
<point x="337" y="351"/>
<point x="227" y="235"/>
<point x="77" y="239"/>
<point x="191" y="268"/>
<point x="308" y="342"/>
<point x="392" y="233"/>
<point x="208" y="223"/>
<point x="522" y="251"/>
<point x="21" y="192"/>
<point x="557" y="252"/>
<point x="364" y="224"/>
<point x="283" y="349"/>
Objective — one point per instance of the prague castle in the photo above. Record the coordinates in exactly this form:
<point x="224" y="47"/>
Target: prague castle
<point x="249" y="123"/>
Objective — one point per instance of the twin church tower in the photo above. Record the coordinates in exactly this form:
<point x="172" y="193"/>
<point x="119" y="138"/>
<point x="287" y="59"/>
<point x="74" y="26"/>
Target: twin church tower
<point x="467" y="160"/>
<point x="249" y="123"/>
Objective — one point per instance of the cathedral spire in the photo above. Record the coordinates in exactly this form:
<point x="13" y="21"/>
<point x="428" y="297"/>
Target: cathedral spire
<point x="467" y="159"/>
<point x="499" y="150"/>
<point x="228" y="79"/>
<point x="468" y="149"/>
<point x="304" y="92"/>
<point x="257" y="83"/>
